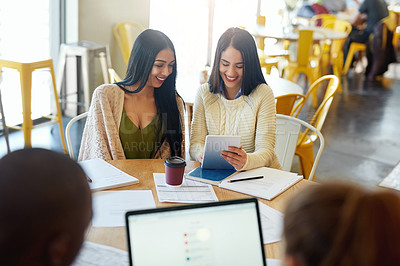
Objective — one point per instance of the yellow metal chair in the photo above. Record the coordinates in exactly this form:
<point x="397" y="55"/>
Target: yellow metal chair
<point x="125" y="33"/>
<point x="320" y="19"/>
<point x="305" y="149"/>
<point x="396" y="37"/>
<point x="307" y="61"/>
<point x="354" y="48"/>
<point x="336" y="48"/>
<point x="285" y="103"/>
<point x="268" y="62"/>
<point x="25" y="70"/>
<point x="113" y="76"/>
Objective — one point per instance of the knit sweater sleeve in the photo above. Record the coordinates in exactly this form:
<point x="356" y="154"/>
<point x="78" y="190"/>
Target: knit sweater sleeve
<point x="264" y="155"/>
<point x="199" y="127"/>
<point x="100" y="138"/>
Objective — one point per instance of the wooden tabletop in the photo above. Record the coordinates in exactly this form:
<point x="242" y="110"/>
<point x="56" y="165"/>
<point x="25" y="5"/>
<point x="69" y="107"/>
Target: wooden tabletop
<point x="143" y="170"/>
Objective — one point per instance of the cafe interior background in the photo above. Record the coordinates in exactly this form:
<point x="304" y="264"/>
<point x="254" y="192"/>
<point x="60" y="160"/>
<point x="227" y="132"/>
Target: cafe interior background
<point x="34" y="30"/>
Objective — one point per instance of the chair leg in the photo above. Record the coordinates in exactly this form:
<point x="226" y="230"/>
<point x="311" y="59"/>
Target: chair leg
<point x="59" y="116"/>
<point x="3" y="120"/>
<point x="27" y="124"/>
<point x="306" y="159"/>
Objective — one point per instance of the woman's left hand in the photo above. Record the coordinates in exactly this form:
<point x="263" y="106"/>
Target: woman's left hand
<point x="237" y="157"/>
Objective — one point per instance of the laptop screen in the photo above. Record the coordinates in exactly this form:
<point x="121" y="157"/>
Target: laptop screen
<point x="218" y="233"/>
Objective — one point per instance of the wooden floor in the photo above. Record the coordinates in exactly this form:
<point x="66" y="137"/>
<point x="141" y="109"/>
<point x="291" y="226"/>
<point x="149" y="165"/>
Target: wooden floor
<point x="361" y="131"/>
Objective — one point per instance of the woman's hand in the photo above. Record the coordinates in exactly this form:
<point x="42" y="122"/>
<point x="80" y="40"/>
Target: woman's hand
<point x="200" y="158"/>
<point x="237" y="157"/>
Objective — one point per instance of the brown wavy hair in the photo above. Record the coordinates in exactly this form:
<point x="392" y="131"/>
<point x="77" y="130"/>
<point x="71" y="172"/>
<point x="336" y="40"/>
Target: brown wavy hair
<point x="343" y="224"/>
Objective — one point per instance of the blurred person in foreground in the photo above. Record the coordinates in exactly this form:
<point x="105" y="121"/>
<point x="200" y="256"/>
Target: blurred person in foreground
<point x="45" y="208"/>
<point x="342" y="224"/>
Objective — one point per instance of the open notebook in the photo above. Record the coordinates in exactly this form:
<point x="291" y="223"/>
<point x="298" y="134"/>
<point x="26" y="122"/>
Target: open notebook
<point x="217" y="233"/>
<point x="105" y="176"/>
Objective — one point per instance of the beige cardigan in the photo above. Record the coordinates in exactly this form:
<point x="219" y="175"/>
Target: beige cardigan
<point x="252" y="117"/>
<point x="100" y="137"/>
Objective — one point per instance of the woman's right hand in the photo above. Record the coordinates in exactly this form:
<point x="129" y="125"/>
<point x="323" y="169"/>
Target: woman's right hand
<point x="200" y="158"/>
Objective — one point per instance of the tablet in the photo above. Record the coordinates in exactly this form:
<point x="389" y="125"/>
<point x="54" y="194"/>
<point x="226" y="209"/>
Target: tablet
<point x="212" y="151"/>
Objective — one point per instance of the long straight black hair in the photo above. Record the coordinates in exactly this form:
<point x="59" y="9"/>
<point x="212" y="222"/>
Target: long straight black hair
<point x="145" y="49"/>
<point x="242" y="41"/>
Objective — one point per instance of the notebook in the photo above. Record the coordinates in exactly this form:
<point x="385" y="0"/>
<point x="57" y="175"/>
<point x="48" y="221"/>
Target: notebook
<point x="105" y="176"/>
<point x="210" y="176"/>
<point x="273" y="182"/>
<point x="215" y="233"/>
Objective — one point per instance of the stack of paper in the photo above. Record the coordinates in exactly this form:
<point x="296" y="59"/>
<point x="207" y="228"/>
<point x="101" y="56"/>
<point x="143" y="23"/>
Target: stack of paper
<point x="105" y="176"/>
<point x="273" y="183"/>
<point x="190" y="191"/>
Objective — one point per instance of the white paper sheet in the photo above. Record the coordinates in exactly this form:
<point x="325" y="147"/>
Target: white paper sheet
<point x="274" y="182"/>
<point x="100" y="255"/>
<point x="190" y="192"/>
<point x="271" y="223"/>
<point x="109" y="207"/>
<point x="274" y="262"/>
<point x="105" y="175"/>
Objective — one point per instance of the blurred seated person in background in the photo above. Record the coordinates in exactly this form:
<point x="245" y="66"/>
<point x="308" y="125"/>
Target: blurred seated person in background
<point x="342" y="224"/>
<point x="236" y="101"/>
<point x="45" y="208"/>
<point x="140" y="117"/>
<point x="369" y="14"/>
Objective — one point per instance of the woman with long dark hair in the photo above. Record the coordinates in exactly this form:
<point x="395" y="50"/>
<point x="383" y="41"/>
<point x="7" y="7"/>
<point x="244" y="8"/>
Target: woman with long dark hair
<point x="140" y="117"/>
<point x="236" y="101"/>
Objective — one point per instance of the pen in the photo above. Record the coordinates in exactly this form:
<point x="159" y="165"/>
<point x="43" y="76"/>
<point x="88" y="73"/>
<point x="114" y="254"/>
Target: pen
<point x="89" y="179"/>
<point x="245" y="179"/>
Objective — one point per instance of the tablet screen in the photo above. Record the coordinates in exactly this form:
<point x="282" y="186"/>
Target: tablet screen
<point x="212" y="151"/>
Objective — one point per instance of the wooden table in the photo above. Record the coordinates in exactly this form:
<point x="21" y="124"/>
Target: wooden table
<point x="144" y="169"/>
<point x="282" y="86"/>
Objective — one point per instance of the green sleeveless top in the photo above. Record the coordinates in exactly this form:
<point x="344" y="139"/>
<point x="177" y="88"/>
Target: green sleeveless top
<point x="139" y="143"/>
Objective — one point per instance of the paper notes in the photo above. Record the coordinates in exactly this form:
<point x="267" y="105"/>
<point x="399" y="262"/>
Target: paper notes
<point x="105" y="176"/>
<point x="271" y="223"/>
<point x="190" y="192"/>
<point x="109" y="207"/>
<point x="274" y="182"/>
<point x="100" y="255"/>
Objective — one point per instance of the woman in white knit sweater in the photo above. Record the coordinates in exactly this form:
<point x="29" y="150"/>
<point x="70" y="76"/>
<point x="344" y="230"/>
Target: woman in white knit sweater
<point x="236" y="101"/>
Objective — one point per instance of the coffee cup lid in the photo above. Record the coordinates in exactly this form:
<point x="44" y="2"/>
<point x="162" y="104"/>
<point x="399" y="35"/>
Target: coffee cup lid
<point x="175" y="162"/>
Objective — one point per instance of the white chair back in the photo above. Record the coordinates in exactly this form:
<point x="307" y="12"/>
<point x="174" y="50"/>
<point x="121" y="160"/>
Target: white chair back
<point x="287" y="132"/>
<point x="68" y="135"/>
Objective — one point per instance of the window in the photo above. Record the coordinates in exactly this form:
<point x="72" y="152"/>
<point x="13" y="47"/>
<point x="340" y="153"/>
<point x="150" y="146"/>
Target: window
<point x="195" y="27"/>
<point x="28" y="32"/>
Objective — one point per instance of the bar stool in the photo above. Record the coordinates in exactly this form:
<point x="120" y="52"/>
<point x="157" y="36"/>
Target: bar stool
<point x="85" y="52"/>
<point x="4" y="127"/>
<point x="25" y="70"/>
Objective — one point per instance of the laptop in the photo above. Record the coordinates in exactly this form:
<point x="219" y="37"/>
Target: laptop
<point x="216" y="233"/>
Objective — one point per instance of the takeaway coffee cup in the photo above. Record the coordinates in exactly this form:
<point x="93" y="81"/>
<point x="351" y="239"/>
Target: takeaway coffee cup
<point x="174" y="169"/>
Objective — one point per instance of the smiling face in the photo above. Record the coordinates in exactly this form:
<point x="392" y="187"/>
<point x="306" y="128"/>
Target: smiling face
<point x="162" y="68"/>
<point x="231" y="69"/>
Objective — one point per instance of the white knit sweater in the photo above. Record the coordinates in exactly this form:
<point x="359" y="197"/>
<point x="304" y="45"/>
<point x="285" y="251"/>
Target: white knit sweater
<point x="252" y="117"/>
